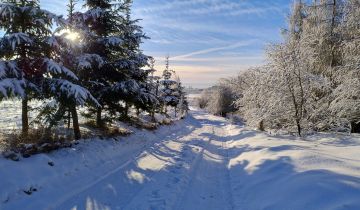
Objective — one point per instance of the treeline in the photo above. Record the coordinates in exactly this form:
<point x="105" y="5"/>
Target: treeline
<point x="101" y="67"/>
<point x="311" y="81"/>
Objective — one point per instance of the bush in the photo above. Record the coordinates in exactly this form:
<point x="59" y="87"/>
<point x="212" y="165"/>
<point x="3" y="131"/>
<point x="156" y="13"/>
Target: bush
<point x="203" y="100"/>
<point x="221" y="101"/>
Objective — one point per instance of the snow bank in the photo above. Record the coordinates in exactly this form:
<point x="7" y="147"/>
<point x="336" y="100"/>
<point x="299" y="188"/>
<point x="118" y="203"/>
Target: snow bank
<point x="280" y="172"/>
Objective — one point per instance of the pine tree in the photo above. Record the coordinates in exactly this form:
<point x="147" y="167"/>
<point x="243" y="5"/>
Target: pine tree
<point x="132" y="89"/>
<point x="115" y="38"/>
<point x="168" y="93"/>
<point x="68" y="92"/>
<point x="24" y="47"/>
<point x="182" y="105"/>
<point x="99" y="26"/>
<point x="152" y="85"/>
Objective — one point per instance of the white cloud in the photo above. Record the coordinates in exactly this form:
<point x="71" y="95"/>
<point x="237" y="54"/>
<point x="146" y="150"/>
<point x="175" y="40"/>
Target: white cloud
<point x="216" y="49"/>
<point x="208" y="7"/>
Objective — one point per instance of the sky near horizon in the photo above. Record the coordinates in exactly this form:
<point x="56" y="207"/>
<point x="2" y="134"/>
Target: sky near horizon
<point x="205" y="39"/>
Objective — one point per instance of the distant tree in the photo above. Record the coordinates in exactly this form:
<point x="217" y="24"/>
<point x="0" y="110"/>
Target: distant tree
<point x="221" y="100"/>
<point x="182" y="105"/>
<point x="169" y="94"/>
<point x="153" y="85"/>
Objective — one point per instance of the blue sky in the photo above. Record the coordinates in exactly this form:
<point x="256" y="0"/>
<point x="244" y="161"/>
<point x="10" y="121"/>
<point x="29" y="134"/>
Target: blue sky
<point x="206" y="39"/>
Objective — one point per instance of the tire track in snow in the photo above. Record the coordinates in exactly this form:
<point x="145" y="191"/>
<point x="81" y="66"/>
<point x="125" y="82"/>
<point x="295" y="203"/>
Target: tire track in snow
<point x="212" y="174"/>
<point x="176" y="178"/>
<point x="225" y="147"/>
<point x="98" y="180"/>
<point x="189" y="178"/>
<point x="139" y="190"/>
<point x="132" y="160"/>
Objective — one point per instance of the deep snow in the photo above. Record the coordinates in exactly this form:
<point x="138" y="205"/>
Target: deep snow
<point x="203" y="163"/>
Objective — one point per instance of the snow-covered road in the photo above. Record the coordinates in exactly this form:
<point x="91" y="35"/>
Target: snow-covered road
<point x="187" y="170"/>
<point x="201" y="163"/>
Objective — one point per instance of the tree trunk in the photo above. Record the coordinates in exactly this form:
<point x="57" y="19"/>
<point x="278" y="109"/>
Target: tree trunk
<point x="69" y="118"/>
<point x="76" y="127"/>
<point x="261" y="126"/>
<point x="126" y="110"/>
<point x="355" y="127"/>
<point x="175" y="111"/>
<point x="99" y="122"/>
<point x="152" y="114"/>
<point x="25" y="117"/>
<point x="298" y="127"/>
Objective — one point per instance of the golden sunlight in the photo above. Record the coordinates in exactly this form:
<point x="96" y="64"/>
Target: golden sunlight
<point x="71" y="35"/>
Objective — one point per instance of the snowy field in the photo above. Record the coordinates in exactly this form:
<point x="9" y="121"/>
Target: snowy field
<point x="203" y="163"/>
<point x="10" y="119"/>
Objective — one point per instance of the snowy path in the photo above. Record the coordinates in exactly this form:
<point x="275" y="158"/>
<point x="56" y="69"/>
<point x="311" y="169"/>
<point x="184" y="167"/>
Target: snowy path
<point x="201" y="163"/>
<point x="181" y="172"/>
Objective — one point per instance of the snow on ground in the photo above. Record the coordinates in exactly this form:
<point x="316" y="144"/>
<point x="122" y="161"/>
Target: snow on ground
<point x="10" y="119"/>
<point x="202" y="163"/>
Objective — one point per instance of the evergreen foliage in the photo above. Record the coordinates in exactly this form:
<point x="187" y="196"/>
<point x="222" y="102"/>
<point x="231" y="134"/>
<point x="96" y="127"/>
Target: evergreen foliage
<point x="93" y="59"/>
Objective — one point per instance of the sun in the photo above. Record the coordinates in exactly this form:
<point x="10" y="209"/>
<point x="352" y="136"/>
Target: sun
<point x="71" y="35"/>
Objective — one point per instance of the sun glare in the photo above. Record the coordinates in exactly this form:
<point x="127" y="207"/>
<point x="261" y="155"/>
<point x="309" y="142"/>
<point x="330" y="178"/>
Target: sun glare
<point x="71" y="35"/>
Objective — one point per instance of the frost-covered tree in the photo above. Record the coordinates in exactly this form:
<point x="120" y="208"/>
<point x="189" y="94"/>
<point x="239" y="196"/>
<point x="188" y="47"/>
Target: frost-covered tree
<point x="203" y="99"/>
<point x="311" y="80"/>
<point x="346" y="96"/>
<point x="321" y="37"/>
<point x="221" y="100"/>
<point x="285" y="94"/>
<point x="290" y="79"/>
<point x="253" y="87"/>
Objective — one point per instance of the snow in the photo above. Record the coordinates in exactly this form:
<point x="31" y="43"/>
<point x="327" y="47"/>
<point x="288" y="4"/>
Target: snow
<point x="86" y="60"/>
<point x="52" y="41"/>
<point x="203" y="162"/>
<point x="94" y="13"/>
<point x="112" y="41"/>
<point x="56" y="68"/>
<point x="72" y="91"/>
<point x="6" y="10"/>
<point x="11" y="87"/>
<point x="15" y="39"/>
<point x="8" y="68"/>
<point x="127" y="87"/>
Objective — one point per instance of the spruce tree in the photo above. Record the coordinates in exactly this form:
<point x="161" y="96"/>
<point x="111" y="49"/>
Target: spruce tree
<point x="68" y="92"/>
<point x="182" y="105"/>
<point x="152" y="85"/>
<point x="132" y="88"/>
<point x="99" y="27"/>
<point x="169" y="95"/>
<point x="25" y="51"/>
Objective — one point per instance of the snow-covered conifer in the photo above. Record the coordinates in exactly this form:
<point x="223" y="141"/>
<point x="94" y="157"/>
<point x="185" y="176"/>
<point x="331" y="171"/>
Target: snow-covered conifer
<point x="24" y="46"/>
<point x="169" y="94"/>
<point x="67" y="90"/>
